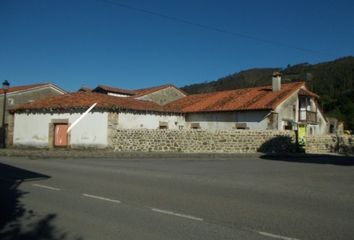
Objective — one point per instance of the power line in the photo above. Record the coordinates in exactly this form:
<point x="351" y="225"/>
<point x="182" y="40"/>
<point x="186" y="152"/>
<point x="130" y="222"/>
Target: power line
<point x="216" y="29"/>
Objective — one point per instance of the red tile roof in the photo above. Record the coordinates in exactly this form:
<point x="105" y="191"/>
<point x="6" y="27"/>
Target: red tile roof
<point x="23" y="88"/>
<point x="135" y="93"/>
<point x="305" y="92"/>
<point x="258" y="98"/>
<point x="83" y="100"/>
<point x="115" y="90"/>
<point x="84" y="89"/>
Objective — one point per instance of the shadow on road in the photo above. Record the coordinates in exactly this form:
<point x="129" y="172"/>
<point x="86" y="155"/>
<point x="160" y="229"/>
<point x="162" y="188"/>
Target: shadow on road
<point x="279" y="144"/>
<point x="283" y="148"/>
<point x="312" y="158"/>
<point x="13" y="213"/>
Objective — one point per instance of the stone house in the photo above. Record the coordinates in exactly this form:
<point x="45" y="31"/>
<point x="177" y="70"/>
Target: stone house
<point x="45" y="123"/>
<point x="276" y="107"/>
<point x="19" y="95"/>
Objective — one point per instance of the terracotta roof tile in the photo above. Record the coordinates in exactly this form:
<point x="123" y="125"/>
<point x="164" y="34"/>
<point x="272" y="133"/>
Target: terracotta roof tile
<point x="305" y="92"/>
<point x="115" y="90"/>
<point x="84" y="89"/>
<point x="22" y="88"/>
<point x="135" y="93"/>
<point x="83" y="100"/>
<point x="258" y="98"/>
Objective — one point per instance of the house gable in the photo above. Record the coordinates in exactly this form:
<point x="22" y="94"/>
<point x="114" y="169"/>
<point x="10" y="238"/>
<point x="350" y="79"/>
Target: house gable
<point x="19" y="95"/>
<point x="162" y="96"/>
<point x="301" y="108"/>
<point x="16" y="98"/>
<point x="113" y="91"/>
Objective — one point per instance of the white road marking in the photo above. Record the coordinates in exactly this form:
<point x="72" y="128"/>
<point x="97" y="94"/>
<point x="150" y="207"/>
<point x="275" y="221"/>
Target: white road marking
<point x="276" y="236"/>
<point x="176" y="214"/>
<point x="100" y="198"/>
<point x="46" y="187"/>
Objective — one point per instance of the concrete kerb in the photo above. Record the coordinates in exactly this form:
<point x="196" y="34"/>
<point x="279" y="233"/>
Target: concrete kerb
<point x="95" y="153"/>
<point x="90" y="153"/>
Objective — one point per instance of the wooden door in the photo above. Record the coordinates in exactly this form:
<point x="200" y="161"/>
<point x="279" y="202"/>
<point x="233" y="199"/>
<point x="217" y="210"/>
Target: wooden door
<point x="61" y="135"/>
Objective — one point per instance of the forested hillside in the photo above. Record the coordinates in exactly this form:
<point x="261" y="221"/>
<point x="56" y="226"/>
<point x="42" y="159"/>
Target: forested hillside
<point x="333" y="81"/>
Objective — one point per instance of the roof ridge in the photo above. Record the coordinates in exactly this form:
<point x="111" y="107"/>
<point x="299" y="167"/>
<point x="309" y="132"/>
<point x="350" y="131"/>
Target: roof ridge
<point x="26" y="87"/>
<point x="158" y="86"/>
<point x="237" y="89"/>
<point x="83" y="100"/>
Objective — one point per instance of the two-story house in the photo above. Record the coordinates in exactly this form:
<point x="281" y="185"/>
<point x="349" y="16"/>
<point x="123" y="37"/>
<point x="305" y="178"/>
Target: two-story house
<point x="276" y="107"/>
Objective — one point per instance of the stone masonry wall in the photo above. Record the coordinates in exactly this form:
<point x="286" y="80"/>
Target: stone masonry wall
<point x="202" y="141"/>
<point x="330" y="144"/>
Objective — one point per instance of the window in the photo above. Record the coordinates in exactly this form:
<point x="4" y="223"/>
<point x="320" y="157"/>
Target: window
<point x="312" y="132"/>
<point x="195" y="126"/>
<point x="10" y="101"/>
<point x="241" y="126"/>
<point x="163" y="125"/>
<point x="287" y="125"/>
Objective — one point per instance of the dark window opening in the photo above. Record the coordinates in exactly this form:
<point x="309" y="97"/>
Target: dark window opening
<point x="241" y="126"/>
<point x="163" y="125"/>
<point x="195" y="126"/>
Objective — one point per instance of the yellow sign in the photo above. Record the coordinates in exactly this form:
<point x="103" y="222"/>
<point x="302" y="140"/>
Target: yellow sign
<point x="301" y="135"/>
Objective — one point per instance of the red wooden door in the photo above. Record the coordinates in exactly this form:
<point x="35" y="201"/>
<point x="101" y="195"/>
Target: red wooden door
<point x="61" y="135"/>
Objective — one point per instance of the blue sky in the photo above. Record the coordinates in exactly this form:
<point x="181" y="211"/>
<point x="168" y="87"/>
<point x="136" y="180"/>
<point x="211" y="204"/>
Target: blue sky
<point x="76" y="43"/>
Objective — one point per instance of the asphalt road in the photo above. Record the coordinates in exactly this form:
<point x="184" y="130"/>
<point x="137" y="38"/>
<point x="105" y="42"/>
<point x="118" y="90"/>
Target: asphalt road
<point x="245" y="197"/>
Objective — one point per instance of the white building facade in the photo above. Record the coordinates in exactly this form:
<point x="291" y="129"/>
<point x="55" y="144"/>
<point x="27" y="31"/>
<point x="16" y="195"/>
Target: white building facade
<point x="47" y="130"/>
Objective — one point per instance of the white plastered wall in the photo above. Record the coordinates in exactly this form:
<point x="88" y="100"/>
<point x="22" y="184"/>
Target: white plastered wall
<point x="32" y="130"/>
<point x="321" y="128"/>
<point x="286" y="112"/>
<point x="227" y="120"/>
<point x="146" y="120"/>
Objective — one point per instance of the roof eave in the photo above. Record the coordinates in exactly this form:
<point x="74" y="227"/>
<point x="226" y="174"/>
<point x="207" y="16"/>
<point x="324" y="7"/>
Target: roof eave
<point x="229" y="110"/>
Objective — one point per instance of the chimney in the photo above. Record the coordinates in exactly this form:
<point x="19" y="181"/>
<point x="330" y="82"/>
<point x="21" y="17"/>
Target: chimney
<point x="276" y="81"/>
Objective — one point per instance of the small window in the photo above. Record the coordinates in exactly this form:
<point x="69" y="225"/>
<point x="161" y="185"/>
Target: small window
<point x="195" y="126"/>
<point x="10" y="101"/>
<point x="311" y="131"/>
<point x="163" y="125"/>
<point x="241" y="126"/>
<point x="287" y="125"/>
